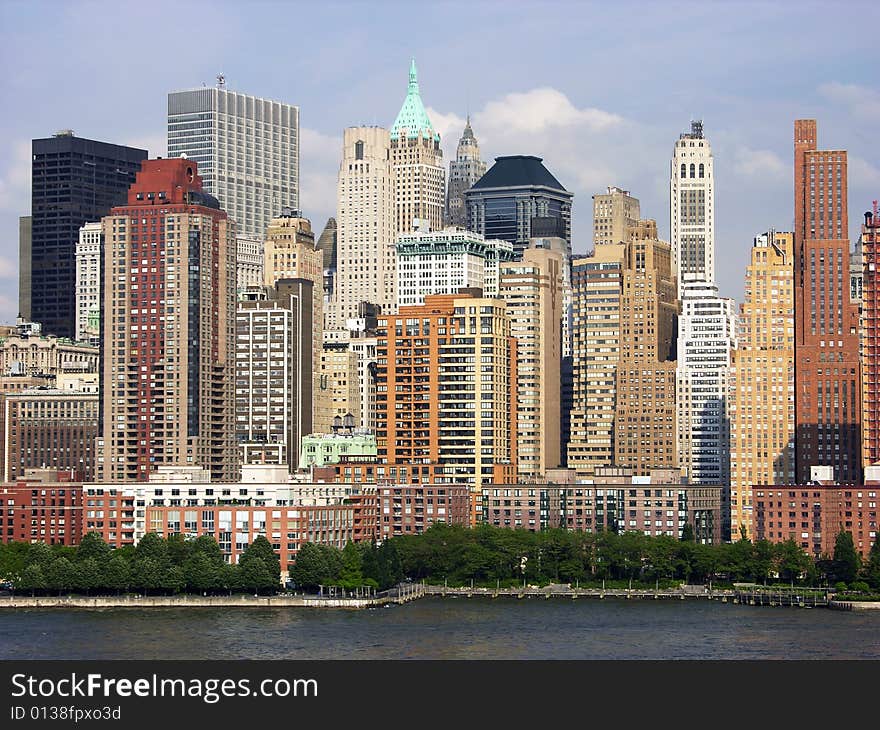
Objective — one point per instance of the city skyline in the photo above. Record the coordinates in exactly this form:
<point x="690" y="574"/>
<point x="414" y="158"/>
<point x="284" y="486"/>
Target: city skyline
<point x="592" y="129"/>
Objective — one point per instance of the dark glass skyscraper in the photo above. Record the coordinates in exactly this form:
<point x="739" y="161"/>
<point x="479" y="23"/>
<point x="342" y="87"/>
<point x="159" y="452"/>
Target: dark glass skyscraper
<point x="74" y="180"/>
<point x="516" y="189"/>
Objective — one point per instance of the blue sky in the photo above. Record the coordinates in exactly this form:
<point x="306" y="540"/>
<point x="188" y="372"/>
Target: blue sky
<point x="601" y="91"/>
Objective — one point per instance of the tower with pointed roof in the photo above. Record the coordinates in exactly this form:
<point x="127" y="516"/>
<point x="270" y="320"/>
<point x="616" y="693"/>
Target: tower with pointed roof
<point x="464" y="171"/>
<point x="417" y="160"/>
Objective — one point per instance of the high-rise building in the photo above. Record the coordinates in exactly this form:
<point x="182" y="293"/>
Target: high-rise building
<point x="248" y="261"/>
<point x="515" y="190"/>
<point x="644" y="415"/>
<point x="430" y="412"/>
<point x="290" y="253"/>
<point x="442" y="262"/>
<point x="273" y="366"/>
<point x="596" y="293"/>
<point x="88" y="284"/>
<point x="532" y="289"/>
<point x="828" y="406"/>
<point x="615" y="213"/>
<point x="365" y="218"/>
<point x="760" y="399"/>
<point x="464" y="171"/>
<point x="247" y="150"/>
<point x="869" y="243"/>
<point x="24" y="266"/>
<point x="692" y="208"/>
<point x="417" y="161"/>
<point x="706" y="341"/>
<point x="327" y="245"/>
<point x="340" y="385"/>
<point x="74" y="181"/>
<point x="168" y="329"/>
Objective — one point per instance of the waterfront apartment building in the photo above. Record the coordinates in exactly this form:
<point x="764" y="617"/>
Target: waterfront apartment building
<point x="417" y="162"/>
<point x="828" y="393"/>
<point x="514" y="191"/>
<point x="88" y="284"/>
<point x="246" y="148"/>
<point x="533" y="291"/>
<point x="870" y="298"/>
<point x="43" y="506"/>
<point x="692" y="208"/>
<point x="644" y="387"/>
<point x="273" y="366"/>
<point x="443" y="262"/>
<point x="73" y="181"/>
<point x="760" y="402"/>
<point x="365" y="250"/>
<point x="596" y="293"/>
<point x="813" y="514"/>
<point x="168" y="329"/>
<point x="446" y="391"/>
<point x="614" y="214"/>
<point x="464" y="171"/>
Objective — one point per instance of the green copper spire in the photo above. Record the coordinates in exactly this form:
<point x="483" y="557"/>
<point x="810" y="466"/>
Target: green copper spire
<point x="412" y="116"/>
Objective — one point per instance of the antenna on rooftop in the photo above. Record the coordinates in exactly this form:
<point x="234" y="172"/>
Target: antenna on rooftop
<point x="221" y="81"/>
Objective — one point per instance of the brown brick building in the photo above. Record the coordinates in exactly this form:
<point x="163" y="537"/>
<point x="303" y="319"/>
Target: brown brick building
<point x="409" y="509"/>
<point x="870" y="241"/>
<point x="827" y="370"/>
<point x="43" y="507"/>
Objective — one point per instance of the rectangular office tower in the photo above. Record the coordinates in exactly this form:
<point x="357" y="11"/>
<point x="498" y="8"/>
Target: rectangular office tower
<point x="827" y="378"/>
<point x="247" y="150"/>
<point x="74" y="180"/>
<point x="168" y="328"/>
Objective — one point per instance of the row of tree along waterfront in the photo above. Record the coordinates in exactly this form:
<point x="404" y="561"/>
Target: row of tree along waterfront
<point x="484" y="555"/>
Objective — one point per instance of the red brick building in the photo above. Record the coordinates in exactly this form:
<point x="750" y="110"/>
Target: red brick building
<point x="47" y="509"/>
<point x="409" y="509"/>
<point x="827" y="370"/>
<point x="109" y="511"/>
<point x="813" y="515"/>
<point x="870" y="240"/>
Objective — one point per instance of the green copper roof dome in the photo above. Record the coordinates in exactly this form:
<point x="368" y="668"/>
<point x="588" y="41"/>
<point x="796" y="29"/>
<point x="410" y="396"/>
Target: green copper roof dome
<point x="412" y="115"/>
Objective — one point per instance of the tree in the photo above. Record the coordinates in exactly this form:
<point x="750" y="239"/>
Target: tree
<point x="256" y="575"/>
<point x="846" y="560"/>
<point x="32" y="579"/>
<point x="791" y="561"/>
<point x="687" y="533"/>
<point x="147" y="574"/>
<point x="229" y="577"/>
<point x="178" y="549"/>
<point x="872" y="567"/>
<point x="390" y="570"/>
<point x="351" y="576"/>
<point x="88" y="575"/>
<point x="172" y="579"/>
<point x="200" y="573"/>
<point x="369" y="563"/>
<point x="152" y="546"/>
<point x="60" y="575"/>
<point x="262" y="548"/>
<point x="92" y="546"/>
<point x="117" y="574"/>
<point x="310" y="568"/>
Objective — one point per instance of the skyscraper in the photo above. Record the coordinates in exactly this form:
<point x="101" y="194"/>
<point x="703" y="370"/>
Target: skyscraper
<point x="247" y="149"/>
<point x="644" y="415"/>
<point x="515" y="190"/>
<point x="615" y="213"/>
<point x="532" y="289"/>
<point x="464" y="171"/>
<point x="417" y="161"/>
<point x="168" y="329"/>
<point x="88" y="283"/>
<point x="273" y="366"/>
<point x="870" y="296"/>
<point x="827" y="370"/>
<point x="692" y="208"/>
<point x="365" y="218"/>
<point x="74" y="180"/>
<point x="760" y="403"/>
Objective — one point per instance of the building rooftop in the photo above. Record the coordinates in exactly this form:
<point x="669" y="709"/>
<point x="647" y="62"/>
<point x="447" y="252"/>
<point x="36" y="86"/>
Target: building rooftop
<point x="518" y="171"/>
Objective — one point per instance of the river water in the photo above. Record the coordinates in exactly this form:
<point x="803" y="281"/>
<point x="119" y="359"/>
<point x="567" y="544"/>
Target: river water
<point x="445" y="628"/>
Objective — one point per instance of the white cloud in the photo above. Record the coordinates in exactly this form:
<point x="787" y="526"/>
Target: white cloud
<point x="860" y="101"/>
<point x="759" y="163"/>
<point x="539" y="110"/>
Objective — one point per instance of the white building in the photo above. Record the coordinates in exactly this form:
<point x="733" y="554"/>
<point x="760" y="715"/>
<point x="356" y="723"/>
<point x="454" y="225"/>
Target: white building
<point x="88" y="283"/>
<point x="247" y="150"/>
<point x="365" y="252"/>
<point x="249" y="261"/>
<point x="706" y="340"/>
<point x="692" y="208"/>
<point x="442" y="262"/>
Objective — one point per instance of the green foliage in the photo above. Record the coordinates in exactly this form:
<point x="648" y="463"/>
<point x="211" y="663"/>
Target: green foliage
<point x="310" y="569"/>
<point x="252" y="575"/>
<point x="93" y="547"/>
<point x="687" y="533"/>
<point x="351" y="575"/>
<point x="846" y="559"/>
<point x="872" y="566"/>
